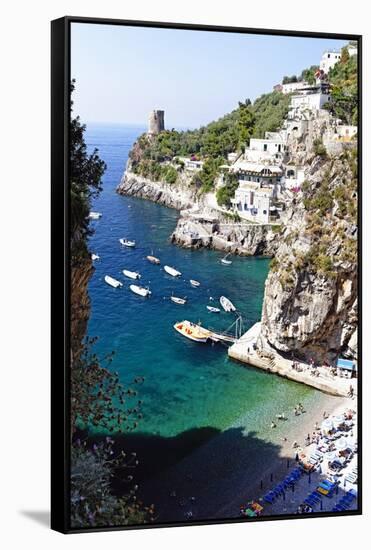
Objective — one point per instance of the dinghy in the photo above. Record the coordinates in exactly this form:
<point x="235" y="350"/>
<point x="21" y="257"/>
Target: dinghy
<point x="112" y="282"/>
<point x="131" y="274"/>
<point x="224" y="260"/>
<point x="180" y="301"/>
<point x="213" y="309"/>
<point x="95" y="257"/>
<point x="171" y="271"/>
<point x="153" y="259"/>
<point x="95" y="215"/>
<point x="194" y="283"/>
<point x="226" y="304"/>
<point x="140" y="290"/>
<point x="126" y="242"/>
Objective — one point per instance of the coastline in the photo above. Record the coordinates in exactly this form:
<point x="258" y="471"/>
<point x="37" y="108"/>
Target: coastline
<point x="228" y="471"/>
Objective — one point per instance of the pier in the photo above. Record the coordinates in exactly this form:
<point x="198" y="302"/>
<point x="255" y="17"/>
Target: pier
<point x="246" y="350"/>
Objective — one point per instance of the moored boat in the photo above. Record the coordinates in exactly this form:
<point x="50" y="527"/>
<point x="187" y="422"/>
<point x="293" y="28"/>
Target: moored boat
<point x="194" y="283"/>
<point x="171" y="271"/>
<point x="131" y="274"/>
<point x="224" y="260"/>
<point x="127" y="242"/>
<point x="213" y="309"/>
<point x="112" y="282"/>
<point x="141" y="291"/>
<point x="95" y="257"/>
<point x="95" y="215"/>
<point x="226" y="304"/>
<point x="153" y="259"/>
<point x="180" y="301"/>
<point x="192" y="331"/>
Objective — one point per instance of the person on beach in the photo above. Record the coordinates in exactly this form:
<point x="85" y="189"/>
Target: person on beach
<point x="301" y="407"/>
<point x="296" y="411"/>
<point x="351" y="392"/>
<point x="273" y="425"/>
<point x="316" y="426"/>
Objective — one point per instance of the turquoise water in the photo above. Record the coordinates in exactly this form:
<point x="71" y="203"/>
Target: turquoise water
<point x="187" y="385"/>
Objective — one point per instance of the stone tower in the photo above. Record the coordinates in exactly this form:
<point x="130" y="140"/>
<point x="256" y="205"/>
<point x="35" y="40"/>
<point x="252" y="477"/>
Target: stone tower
<point x="156" y="122"/>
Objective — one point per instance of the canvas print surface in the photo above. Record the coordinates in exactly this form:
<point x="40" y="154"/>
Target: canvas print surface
<point x="213" y="211"/>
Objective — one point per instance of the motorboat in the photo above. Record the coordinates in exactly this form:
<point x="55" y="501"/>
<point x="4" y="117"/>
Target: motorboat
<point x="180" y="301"/>
<point x="141" y="291"/>
<point x="213" y="309"/>
<point x="171" y="271"/>
<point x="226" y="304"/>
<point x="194" y="283"/>
<point x="112" y="282"/>
<point x="95" y="257"/>
<point x="153" y="259"/>
<point x="131" y="274"/>
<point x="192" y="331"/>
<point x="224" y="260"/>
<point x="95" y="215"/>
<point x="127" y="242"/>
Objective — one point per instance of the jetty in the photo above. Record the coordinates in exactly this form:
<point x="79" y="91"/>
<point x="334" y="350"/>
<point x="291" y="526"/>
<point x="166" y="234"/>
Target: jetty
<point x="247" y="349"/>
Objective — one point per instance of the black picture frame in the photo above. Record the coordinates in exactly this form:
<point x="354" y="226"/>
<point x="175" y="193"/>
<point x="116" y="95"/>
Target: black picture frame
<point x="60" y="262"/>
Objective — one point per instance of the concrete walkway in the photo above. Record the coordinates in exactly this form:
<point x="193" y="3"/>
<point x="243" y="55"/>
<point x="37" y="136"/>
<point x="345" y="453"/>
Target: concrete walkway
<point x="271" y="361"/>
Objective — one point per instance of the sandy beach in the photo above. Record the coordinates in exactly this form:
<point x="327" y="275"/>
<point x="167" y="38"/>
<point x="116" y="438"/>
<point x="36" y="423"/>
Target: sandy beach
<point x="234" y="467"/>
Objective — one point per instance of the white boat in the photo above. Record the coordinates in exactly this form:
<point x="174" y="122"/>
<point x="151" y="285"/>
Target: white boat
<point x="153" y="259"/>
<point x="95" y="215"/>
<point x="171" y="271"/>
<point x="226" y="304"/>
<point x="194" y="283"/>
<point x="126" y="242"/>
<point x="112" y="282"/>
<point x="131" y="274"/>
<point x="95" y="257"/>
<point x="224" y="260"/>
<point x="213" y="309"/>
<point x="192" y="331"/>
<point x="180" y="301"/>
<point x="140" y="290"/>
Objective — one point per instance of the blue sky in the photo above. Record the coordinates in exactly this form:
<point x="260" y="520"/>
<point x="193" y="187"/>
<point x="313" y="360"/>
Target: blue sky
<point x="123" y="73"/>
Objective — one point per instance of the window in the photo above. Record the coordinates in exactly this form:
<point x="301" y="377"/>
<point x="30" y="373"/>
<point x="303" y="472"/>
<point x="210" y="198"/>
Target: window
<point x="265" y="147"/>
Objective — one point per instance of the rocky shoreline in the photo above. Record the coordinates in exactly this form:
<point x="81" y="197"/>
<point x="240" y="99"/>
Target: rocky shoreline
<point x="199" y="225"/>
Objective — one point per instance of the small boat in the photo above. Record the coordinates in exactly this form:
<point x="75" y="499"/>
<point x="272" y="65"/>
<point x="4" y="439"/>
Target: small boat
<point x="95" y="215"/>
<point x="112" y="282"/>
<point x="131" y="274"/>
<point x="95" y="257"/>
<point x="192" y="331"/>
<point x="213" y="309"/>
<point x="153" y="259"/>
<point x="180" y="301"/>
<point x="194" y="283"/>
<point x="226" y="304"/>
<point x="224" y="260"/>
<point x="126" y="242"/>
<point x="140" y="290"/>
<point x="171" y="271"/>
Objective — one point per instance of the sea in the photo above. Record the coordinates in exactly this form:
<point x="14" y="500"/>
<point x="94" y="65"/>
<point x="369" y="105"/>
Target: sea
<point x="190" y="390"/>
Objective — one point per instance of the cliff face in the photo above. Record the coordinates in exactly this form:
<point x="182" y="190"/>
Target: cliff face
<point x="310" y="302"/>
<point x="179" y="196"/>
<point x="80" y="304"/>
<point x="196" y="231"/>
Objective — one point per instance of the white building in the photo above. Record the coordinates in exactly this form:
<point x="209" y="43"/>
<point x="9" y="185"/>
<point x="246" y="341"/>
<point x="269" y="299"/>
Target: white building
<point x="271" y="146"/>
<point x="294" y="176"/>
<point x="291" y="87"/>
<point x="253" y="203"/>
<point x="329" y="59"/>
<point x="311" y="101"/>
<point x="190" y="164"/>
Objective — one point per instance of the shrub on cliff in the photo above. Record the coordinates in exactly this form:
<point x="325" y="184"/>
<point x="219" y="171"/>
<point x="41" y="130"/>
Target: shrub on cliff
<point x="225" y="193"/>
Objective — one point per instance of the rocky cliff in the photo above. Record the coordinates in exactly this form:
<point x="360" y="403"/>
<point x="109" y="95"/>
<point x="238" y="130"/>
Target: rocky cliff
<point x="81" y="272"/>
<point x="212" y="230"/>
<point x="310" y="302"/>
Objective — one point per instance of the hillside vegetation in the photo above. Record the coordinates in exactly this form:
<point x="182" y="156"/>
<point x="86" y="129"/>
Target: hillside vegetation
<point x="210" y="143"/>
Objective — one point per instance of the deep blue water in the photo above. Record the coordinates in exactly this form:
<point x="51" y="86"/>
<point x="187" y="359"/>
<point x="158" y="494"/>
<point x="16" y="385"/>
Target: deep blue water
<point x="187" y="385"/>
